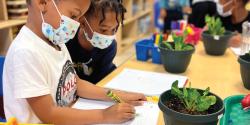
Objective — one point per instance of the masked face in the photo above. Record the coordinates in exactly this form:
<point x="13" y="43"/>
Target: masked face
<point x="98" y="40"/>
<point x="225" y="9"/>
<point x="66" y="31"/>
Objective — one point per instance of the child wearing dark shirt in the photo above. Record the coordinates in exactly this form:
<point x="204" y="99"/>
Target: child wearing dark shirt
<point x="94" y="47"/>
<point x="233" y="13"/>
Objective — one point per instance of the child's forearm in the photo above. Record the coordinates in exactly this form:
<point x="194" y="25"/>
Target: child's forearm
<point x="69" y="116"/>
<point x="90" y="91"/>
<point x="48" y="112"/>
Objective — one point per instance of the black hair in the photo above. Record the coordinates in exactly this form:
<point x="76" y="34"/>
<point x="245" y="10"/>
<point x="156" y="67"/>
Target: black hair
<point x="245" y="2"/>
<point x="102" y="6"/>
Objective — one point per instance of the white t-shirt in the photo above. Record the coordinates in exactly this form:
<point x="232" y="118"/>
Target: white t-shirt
<point x="33" y="68"/>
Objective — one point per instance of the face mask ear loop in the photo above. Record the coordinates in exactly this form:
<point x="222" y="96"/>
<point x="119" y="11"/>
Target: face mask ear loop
<point x="86" y="34"/>
<point x="88" y="25"/>
<point x="42" y="16"/>
<point x="56" y="8"/>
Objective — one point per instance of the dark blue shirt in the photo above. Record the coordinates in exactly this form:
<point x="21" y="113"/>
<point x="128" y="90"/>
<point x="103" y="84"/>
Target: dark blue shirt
<point x="92" y="65"/>
<point x="230" y="26"/>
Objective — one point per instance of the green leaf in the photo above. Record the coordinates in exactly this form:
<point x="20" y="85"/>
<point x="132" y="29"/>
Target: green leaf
<point x="207" y="19"/>
<point x="194" y="94"/>
<point x="175" y="89"/>
<point x="187" y="47"/>
<point x="178" y="45"/>
<point x="206" y="92"/>
<point x="205" y="102"/>
<point x="215" y="26"/>
<point x="192" y="99"/>
<point x="202" y="106"/>
<point x="185" y="93"/>
<point x="167" y="45"/>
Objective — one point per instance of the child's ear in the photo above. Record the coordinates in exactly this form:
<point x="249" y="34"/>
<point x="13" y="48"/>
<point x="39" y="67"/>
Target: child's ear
<point x="43" y="5"/>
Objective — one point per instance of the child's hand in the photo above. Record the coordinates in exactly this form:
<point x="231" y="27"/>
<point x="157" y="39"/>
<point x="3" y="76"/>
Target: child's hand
<point x="119" y="113"/>
<point x="135" y="99"/>
<point x="187" y="10"/>
<point x="235" y="41"/>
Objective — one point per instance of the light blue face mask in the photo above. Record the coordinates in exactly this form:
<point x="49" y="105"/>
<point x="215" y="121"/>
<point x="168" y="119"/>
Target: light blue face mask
<point x="98" y="40"/>
<point x="66" y="31"/>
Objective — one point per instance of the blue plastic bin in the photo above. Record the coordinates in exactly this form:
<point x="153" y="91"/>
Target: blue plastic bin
<point x="156" y="56"/>
<point x="1" y="85"/>
<point x="142" y="49"/>
<point x="1" y="74"/>
<point x="145" y="50"/>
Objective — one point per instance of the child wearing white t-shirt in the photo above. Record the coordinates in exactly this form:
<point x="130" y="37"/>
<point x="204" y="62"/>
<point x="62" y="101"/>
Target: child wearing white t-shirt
<point x="39" y="81"/>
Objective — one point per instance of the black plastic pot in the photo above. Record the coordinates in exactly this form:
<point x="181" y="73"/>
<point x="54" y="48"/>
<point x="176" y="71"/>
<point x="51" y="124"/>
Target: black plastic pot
<point x="172" y="117"/>
<point x="175" y="61"/>
<point x="216" y="45"/>
<point x="245" y="70"/>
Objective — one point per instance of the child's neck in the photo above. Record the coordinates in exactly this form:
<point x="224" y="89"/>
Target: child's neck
<point x="84" y="43"/>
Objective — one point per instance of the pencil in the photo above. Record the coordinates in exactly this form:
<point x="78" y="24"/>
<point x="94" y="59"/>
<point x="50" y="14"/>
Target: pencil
<point x="116" y="98"/>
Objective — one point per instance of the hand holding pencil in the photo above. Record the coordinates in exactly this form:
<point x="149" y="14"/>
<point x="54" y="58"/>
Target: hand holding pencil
<point x="120" y="112"/>
<point x="135" y="99"/>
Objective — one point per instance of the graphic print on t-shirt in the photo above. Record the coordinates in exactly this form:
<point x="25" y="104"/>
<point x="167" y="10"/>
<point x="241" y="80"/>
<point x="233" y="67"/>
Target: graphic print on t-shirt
<point x="66" y="90"/>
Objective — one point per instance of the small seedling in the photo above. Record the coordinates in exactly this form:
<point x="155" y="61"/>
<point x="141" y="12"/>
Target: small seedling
<point x="214" y="25"/>
<point x="179" y="43"/>
<point x="192" y="99"/>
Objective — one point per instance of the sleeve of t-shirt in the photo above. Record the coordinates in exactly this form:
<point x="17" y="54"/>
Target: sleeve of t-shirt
<point x="29" y="75"/>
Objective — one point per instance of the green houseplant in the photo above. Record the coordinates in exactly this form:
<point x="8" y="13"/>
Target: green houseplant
<point x="215" y="38"/>
<point x="176" y="55"/>
<point x="189" y="106"/>
<point x="244" y="61"/>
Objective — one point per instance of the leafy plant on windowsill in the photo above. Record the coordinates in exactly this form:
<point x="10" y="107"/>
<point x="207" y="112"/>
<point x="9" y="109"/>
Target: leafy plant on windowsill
<point x="179" y="42"/>
<point x="214" y="26"/>
<point x="192" y="99"/>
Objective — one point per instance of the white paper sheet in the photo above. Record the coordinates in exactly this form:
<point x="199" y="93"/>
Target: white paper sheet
<point x="147" y="114"/>
<point x="148" y="83"/>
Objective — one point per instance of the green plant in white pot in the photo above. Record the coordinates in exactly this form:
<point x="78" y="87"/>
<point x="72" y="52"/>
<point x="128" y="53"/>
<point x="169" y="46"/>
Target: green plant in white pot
<point x="215" y="38"/>
<point x="189" y="106"/>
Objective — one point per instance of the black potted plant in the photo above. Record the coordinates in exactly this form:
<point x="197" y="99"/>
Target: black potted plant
<point x="215" y="38"/>
<point x="189" y="106"/>
<point x="176" y="56"/>
<point x="245" y="69"/>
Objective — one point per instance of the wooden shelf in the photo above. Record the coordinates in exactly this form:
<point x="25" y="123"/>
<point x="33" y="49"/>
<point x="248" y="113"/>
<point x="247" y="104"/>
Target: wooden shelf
<point x="128" y="41"/>
<point x="137" y="16"/>
<point x="131" y="32"/>
<point x="11" y="23"/>
<point x="131" y="41"/>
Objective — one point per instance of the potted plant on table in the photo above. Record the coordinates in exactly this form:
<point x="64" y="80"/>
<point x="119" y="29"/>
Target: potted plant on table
<point x="215" y="38"/>
<point x="189" y="106"/>
<point x="245" y="69"/>
<point x="176" y="55"/>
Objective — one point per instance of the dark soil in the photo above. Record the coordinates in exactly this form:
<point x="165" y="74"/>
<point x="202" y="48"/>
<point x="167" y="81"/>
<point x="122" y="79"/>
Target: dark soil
<point x="176" y="105"/>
